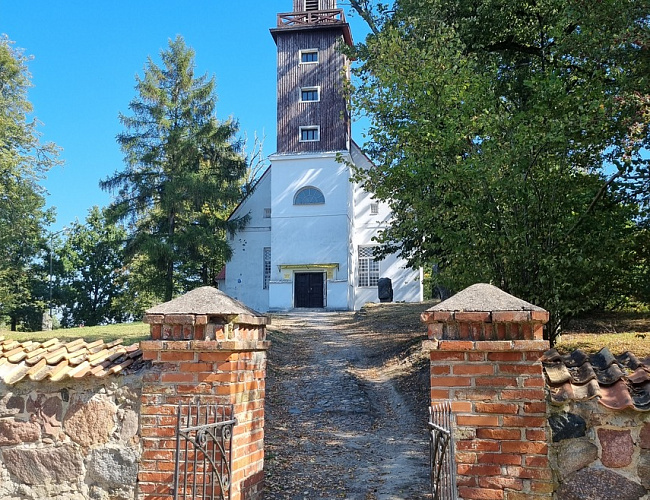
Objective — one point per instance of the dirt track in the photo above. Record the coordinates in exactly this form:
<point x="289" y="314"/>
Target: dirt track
<point x="339" y="422"/>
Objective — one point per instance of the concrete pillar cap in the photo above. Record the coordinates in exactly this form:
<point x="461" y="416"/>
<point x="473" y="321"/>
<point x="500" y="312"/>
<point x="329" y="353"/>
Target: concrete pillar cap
<point x="483" y="297"/>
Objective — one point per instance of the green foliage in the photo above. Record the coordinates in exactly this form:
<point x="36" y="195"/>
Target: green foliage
<point x="183" y="175"/>
<point x="23" y="217"/>
<point x="508" y="139"/>
<point x="92" y="272"/>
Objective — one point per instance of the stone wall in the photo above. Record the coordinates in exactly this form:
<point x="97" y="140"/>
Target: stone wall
<point x="99" y="421"/>
<point x="69" y="441"/>
<point x="599" y="453"/>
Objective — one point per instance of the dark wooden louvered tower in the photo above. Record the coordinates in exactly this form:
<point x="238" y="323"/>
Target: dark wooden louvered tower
<point x="312" y="108"/>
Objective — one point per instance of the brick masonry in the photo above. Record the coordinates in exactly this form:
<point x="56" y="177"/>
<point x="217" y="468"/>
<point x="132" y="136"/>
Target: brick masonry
<point x="496" y="389"/>
<point x="206" y="359"/>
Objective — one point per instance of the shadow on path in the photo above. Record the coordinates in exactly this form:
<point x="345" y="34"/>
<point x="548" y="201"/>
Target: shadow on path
<point x="335" y="428"/>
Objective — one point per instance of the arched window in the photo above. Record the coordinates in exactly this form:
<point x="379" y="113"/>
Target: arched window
<point x="309" y="196"/>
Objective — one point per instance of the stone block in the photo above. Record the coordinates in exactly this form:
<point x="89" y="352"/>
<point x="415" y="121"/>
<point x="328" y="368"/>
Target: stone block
<point x="617" y="447"/>
<point x="575" y="454"/>
<point x="567" y="426"/>
<point x="91" y="423"/>
<point x="112" y="467"/>
<point x="12" y="432"/>
<point x="645" y="437"/>
<point x="599" y="484"/>
<point x="43" y="466"/>
<point x="644" y="469"/>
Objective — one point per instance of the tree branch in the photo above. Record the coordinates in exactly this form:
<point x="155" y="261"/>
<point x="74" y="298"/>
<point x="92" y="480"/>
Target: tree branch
<point x="599" y="195"/>
<point x="362" y="8"/>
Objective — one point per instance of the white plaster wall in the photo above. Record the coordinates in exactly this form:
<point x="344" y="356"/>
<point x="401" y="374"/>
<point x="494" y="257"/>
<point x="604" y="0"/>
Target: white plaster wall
<point x="309" y="234"/>
<point x="245" y="271"/>
<point x="407" y="283"/>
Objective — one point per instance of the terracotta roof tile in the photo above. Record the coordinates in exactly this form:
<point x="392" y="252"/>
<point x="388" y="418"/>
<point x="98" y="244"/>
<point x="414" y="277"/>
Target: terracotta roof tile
<point x="56" y="360"/>
<point x="617" y="381"/>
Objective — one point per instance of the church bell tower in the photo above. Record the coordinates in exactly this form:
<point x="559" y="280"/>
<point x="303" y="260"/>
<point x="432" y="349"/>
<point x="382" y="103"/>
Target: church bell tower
<point x="312" y="113"/>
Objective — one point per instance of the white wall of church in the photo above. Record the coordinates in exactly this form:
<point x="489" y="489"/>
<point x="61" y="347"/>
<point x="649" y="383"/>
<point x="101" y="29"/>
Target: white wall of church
<point x="406" y="282"/>
<point x="309" y="234"/>
<point x="245" y="271"/>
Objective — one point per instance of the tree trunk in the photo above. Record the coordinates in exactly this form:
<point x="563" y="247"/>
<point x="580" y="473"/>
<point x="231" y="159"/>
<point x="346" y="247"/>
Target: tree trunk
<point x="169" y="278"/>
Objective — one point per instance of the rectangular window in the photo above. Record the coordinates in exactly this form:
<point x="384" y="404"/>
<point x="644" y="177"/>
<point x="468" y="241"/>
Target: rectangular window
<point x="267" y="267"/>
<point x="267" y="213"/>
<point x="368" y="267"/>
<point x="309" y="56"/>
<point x="311" y="4"/>
<point x="374" y="208"/>
<point x="310" y="94"/>
<point x="309" y="134"/>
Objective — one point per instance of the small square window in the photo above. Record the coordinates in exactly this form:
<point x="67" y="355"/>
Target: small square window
<point x="309" y="134"/>
<point x="267" y="213"/>
<point x="374" y="208"/>
<point x="309" y="94"/>
<point x="309" y="56"/>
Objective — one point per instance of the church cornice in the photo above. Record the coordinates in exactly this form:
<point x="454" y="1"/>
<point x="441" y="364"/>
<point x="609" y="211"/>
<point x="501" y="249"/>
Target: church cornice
<point x="302" y="156"/>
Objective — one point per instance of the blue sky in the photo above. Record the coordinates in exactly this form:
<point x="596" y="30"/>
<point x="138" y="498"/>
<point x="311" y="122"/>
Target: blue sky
<point x="87" y="53"/>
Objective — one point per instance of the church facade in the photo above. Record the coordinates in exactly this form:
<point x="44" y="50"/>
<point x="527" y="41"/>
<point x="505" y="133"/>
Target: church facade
<point x="309" y="242"/>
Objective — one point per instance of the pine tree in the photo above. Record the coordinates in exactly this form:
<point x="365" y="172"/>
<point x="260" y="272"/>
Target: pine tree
<point x="183" y="173"/>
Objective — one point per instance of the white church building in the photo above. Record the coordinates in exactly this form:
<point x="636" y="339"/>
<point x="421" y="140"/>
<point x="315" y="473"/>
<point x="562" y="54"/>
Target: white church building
<point x="309" y="243"/>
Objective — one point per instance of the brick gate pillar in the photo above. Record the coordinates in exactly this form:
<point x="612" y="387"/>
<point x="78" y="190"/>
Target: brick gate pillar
<point x="205" y="348"/>
<point x="485" y="346"/>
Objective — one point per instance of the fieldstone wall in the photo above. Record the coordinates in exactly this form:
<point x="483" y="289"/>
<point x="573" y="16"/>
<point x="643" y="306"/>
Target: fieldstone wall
<point x="69" y="441"/>
<point x="94" y="430"/>
<point x="598" y="453"/>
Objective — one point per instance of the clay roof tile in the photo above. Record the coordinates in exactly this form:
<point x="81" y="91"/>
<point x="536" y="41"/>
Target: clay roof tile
<point x="618" y="382"/>
<point x="57" y="361"/>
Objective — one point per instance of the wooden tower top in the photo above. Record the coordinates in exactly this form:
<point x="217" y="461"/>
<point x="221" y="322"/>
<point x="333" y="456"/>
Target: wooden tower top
<point x="314" y="14"/>
<point x="312" y="72"/>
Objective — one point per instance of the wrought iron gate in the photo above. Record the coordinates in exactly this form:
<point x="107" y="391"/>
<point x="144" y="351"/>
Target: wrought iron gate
<point x="441" y="453"/>
<point x="203" y="452"/>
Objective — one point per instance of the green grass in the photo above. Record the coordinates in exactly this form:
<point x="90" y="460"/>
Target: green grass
<point x="130" y="332"/>
<point x="617" y="343"/>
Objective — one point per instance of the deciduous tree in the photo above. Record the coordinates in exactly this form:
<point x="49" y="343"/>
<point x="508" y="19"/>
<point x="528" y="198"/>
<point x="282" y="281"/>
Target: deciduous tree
<point x="92" y="261"/>
<point x="24" y="159"/>
<point x="509" y="140"/>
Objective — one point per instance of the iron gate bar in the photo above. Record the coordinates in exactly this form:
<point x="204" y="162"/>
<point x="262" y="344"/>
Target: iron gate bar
<point x="214" y="441"/>
<point x="442" y="454"/>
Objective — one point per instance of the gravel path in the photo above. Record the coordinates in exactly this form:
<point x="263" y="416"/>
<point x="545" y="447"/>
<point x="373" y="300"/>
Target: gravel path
<point x="337" y="426"/>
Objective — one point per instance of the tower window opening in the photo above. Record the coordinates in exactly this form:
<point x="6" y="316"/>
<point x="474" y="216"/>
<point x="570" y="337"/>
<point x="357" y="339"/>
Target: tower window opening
<point x="309" y="56"/>
<point x="309" y="196"/>
<point x="309" y="134"/>
<point x="311" y="4"/>
<point x="309" y="94"/>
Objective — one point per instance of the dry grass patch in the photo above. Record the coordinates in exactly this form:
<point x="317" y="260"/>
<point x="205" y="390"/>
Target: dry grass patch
<point x="619" y="332"/>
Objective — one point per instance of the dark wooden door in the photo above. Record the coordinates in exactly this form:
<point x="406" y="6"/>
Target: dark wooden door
<point x="309" y="290"/>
